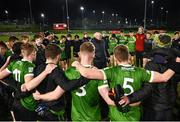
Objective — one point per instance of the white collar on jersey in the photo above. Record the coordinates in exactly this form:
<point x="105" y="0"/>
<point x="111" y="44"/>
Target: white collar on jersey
<point x="26" y="60"/>
<point x="88" y="66"/>
<point x="125" y="65"/>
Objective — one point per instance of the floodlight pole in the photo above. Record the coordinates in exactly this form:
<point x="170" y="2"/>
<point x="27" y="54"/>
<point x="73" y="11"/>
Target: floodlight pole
<point x="30" y="12"/>
<point x="145" y="11"/>
<point x="67" y="14"/>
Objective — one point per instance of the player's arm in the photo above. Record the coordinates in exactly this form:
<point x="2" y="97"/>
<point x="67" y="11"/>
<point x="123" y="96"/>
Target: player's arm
<point x="103" y="91"/>
<point x="6" y="64"/>
<point x="4" y="74"/>
<point x="137" y="96"/>
<point x="34" y="82"/>
<point x="66" y="84"/>
<point x="164" y="77"/>
<point x="50" y="96"/>
<point x="90" y="73"/>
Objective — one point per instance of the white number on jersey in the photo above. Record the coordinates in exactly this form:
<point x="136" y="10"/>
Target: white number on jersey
<point x="17" y="74"/>
<point x="83" y="91"/>
<point x="128" y="86"/>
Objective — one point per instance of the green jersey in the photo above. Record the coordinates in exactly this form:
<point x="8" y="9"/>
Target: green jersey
<point x="131" y="79"/>
<point x="112" y="45"/>
<point x="131" y="44"/>
<point x="8" y="53"/>
<point x="21" y="69"/>
<point x="63" y="54"/>
<point x="85" y="99"/>
<point x="122" y="40"/>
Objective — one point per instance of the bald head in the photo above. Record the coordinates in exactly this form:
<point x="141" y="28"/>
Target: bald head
<point x="98" y="36"/>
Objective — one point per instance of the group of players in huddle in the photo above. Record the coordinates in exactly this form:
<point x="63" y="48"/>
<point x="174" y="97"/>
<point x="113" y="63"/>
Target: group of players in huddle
<point x="48" y="87"/>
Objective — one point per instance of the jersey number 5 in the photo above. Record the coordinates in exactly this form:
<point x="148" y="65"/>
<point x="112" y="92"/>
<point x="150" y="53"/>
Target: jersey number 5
<point x="83" y="91"/>
<point x="126" y="85"/>
<point x="17" y="74"/>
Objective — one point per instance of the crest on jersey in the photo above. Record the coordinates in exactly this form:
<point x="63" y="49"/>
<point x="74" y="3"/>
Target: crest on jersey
<point x="30" y="69"/>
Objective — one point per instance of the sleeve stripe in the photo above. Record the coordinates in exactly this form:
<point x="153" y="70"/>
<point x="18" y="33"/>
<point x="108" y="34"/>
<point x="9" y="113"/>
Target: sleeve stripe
<point x="7" y="70"/>
<point x="104" y="75"/>
<point x="152" y="77"/>
<point x="29" y="75"/>
<point x="103" y="86"/>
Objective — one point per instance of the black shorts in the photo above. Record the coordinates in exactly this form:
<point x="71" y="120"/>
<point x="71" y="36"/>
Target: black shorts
<point x="22" y="114"/>
<point x="146" y="55"/>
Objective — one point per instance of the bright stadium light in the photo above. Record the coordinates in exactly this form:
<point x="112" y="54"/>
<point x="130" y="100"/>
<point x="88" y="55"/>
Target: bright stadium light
<point x="152" y="3"/>
<point x="162" y="8"/>
<point x="94" y="11"/>
<point x="6" y="12"/>
<point x="82" y="8"/>
<point x="113" y="14"/>
<point x="103" y="12"/>
<point x="42" y="15"/>
<point x="82" y="13"/>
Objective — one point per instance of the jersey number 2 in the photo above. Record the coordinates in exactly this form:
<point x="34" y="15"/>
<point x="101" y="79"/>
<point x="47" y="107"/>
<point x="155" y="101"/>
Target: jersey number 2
<point x="17" y="75"/>
<point x="126" y="85"/>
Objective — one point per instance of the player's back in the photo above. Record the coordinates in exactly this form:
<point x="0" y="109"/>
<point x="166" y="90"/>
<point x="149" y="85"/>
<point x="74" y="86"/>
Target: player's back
<point x="85" y="99"/>
<point x="130" y="78"/>
<point x="20" y="69"/>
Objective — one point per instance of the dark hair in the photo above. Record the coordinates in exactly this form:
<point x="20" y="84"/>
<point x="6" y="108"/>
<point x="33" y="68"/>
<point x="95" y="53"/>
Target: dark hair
<point x="16" y="51"/>
<point x="37" y="36"/>
<point x="177" y="32"/>
<point x="113" y="35"/>
<point x="156" y="32"/>
<point x="122" y="31"/>
<point x="69" y="35"/>
<point x="17" y="48"/>
<point x="2" y="44"/>
<point x="63" y="37"/>
<point x="76" y="36"/>
<point x="13" y="39"/>
<point x="52" y="50"/>
<point x="148" y="33"/>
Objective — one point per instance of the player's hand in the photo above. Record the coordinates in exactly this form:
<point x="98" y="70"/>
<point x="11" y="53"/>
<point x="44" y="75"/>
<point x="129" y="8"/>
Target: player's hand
<point x="36" y="95"/>
<point x="124" y="101"/>
<point x="49" y="68"/>
<point x="23" y="88"/>
<point x="75" y="64"/>
<point x="178" y="59"/>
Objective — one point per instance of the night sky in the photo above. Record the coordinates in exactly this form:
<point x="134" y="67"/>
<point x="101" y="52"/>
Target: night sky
<point x="53" y="9"/>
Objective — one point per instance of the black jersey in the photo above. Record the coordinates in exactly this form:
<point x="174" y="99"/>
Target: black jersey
<point x="57" y="78"/>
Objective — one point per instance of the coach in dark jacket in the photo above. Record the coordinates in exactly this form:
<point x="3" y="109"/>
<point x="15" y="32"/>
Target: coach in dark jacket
<point x="100" y="60"/>
<point x="158" y="99"/>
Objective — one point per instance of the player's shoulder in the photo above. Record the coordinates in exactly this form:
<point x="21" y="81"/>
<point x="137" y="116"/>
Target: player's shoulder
<point x="72" y="73"/>
<point x="28" y="63"/>
<point x="142" y="70"/>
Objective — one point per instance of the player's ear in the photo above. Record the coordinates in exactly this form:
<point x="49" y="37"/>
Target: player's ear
<point x="79" y="54"/>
